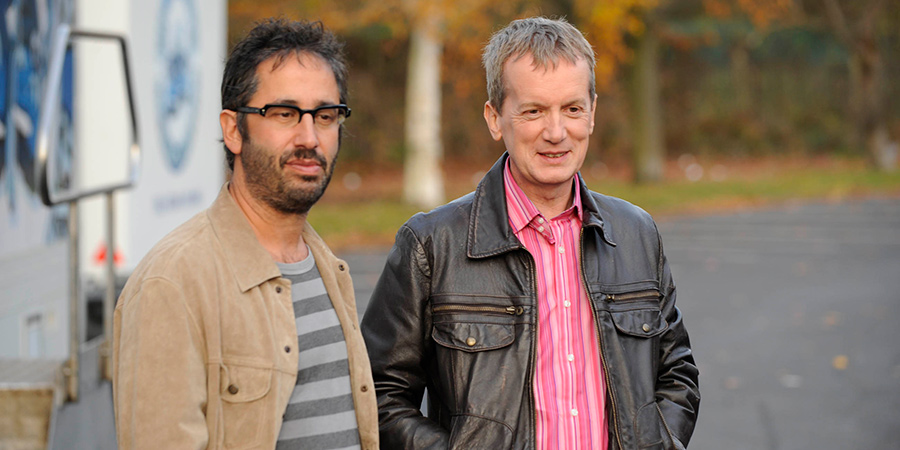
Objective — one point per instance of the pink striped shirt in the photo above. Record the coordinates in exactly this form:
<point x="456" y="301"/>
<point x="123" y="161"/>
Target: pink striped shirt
<point x="569" y="389"/>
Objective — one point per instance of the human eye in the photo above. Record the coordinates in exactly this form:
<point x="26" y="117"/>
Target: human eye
<point x="282" y="114"/>
<point x="326" y="116"/>
<point x="531" y="113"/>
<point x="574" y="110"/>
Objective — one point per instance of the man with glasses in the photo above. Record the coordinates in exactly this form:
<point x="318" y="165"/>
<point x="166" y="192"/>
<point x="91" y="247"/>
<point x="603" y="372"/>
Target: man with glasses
<point x="536" y="313"/>
<point x="239" y="329"/>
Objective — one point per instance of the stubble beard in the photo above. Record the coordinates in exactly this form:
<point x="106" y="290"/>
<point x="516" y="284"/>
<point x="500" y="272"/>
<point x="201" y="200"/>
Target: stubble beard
<point x="267" y="181"/>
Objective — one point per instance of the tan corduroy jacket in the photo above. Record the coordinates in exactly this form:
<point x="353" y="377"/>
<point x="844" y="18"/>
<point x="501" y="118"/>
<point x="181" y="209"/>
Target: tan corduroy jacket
<point x="205" y="342"/>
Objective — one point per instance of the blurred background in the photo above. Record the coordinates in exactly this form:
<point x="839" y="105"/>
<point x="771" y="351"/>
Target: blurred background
<point x="699" y="90"/>
<point x="761" y="134"/>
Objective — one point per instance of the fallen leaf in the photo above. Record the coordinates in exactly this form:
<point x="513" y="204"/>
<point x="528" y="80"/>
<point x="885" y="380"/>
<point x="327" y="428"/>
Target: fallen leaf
<point x="840" y="362"/>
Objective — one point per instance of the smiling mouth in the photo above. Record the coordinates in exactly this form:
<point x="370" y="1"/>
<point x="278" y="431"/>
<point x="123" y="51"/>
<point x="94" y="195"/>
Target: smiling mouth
<point x="553" y="155"/>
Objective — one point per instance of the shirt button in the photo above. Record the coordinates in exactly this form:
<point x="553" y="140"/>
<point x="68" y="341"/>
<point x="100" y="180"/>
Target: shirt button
<point x="540" y="220"/>
<point x="574" y="412"/>
<point x="541" y="229"/>
<point x="571" y="357"/>
<point x="562" y="250"/>
<point x="567" y="303"/>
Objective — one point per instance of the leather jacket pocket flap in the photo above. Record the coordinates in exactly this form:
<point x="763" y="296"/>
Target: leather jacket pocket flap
<point x="473" y="337"/>
<point x="640" y="323"/>
<point x="242" y="384"/>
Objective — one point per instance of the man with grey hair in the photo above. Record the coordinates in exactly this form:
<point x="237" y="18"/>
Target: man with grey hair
<point x="536" y="313"/>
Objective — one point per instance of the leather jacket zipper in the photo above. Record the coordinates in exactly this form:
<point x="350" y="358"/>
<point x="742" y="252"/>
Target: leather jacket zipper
<point x="633" y="296"/>
<point x="489" y="309"/>
<point x="533" y="356"/>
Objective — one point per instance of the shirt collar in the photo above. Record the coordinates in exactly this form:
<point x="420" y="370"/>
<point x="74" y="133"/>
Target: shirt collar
<point x="521" y="209"/>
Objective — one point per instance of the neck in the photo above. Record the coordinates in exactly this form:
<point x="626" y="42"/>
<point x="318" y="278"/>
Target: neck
<point x="279" y="233"/>
<point x="550" y="203"/>
<point x="551" y="206"/>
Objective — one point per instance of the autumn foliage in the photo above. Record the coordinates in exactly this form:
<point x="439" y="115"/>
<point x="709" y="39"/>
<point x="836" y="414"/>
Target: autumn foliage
<point x="737" y="77"/>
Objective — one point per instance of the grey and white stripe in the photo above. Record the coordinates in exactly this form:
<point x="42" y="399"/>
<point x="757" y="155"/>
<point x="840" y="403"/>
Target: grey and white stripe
<point x="320" y="413"/>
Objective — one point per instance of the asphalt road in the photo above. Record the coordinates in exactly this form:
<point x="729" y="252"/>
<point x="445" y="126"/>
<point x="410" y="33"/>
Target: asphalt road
<point x="793" y="315"/>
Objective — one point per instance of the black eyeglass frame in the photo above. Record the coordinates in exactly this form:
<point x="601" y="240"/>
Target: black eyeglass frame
<point x="312" y="112"/>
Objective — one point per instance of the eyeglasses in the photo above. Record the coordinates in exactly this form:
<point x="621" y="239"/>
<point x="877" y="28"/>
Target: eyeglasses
<point x="287" y="116"/>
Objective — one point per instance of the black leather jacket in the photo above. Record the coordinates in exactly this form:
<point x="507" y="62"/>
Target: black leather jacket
<point x="454" y="312"/>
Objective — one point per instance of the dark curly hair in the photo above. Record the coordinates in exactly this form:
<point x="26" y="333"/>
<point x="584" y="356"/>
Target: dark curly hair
<point x="277" y="38"/>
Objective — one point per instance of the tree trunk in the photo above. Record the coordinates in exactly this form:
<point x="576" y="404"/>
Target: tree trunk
<point x="646" y="118"/>
<point x="867" y="72"/>
<point x="423" y="184"/>
<point x="740" y="75"/>
<point x="866" y="67"/>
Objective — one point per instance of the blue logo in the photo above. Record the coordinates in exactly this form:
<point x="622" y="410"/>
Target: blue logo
<point x="177" y="78"/>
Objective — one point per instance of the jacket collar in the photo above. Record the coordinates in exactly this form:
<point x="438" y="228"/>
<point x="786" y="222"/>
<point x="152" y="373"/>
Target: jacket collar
<point x="250" y="263"/>
<point x="489" y="230"/>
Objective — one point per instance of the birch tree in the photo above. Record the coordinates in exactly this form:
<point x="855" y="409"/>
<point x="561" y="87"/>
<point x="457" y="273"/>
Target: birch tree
<point x="427" y="25"/>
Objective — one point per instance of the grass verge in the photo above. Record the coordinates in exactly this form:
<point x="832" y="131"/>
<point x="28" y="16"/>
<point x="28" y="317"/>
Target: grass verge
<point x="346" y="223"/>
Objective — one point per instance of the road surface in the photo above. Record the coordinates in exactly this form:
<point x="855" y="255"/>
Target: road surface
<point x="794" y="317"/>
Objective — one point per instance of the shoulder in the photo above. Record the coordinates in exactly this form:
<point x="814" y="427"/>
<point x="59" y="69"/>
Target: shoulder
<point x="618" y="209"/>
<point x="625" y="219"/>
<point x="453" y="216"/>
<point x="178" y="258"/>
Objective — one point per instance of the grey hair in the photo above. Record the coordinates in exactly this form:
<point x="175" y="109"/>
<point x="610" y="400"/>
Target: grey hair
<point x="546" y="40"/>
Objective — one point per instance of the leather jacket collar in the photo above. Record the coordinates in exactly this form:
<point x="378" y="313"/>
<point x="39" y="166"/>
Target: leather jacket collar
<point x="489" y="230"/>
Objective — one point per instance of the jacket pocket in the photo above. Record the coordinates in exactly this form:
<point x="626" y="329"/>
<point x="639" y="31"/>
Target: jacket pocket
<point x="636" y="313"/>
<point x="651" y="430"/>
<point x="474" y="328"/>
<point x="246" y="407"/>
<point x="648" y="427"/>
<point x="473" y="432"/>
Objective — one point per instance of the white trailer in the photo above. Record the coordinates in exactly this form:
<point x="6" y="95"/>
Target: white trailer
<point x="66" y="132"/>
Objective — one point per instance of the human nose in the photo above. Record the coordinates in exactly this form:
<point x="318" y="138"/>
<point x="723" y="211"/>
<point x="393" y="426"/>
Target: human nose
<point x="554" y="128"/>
<point x="305" y="135"/>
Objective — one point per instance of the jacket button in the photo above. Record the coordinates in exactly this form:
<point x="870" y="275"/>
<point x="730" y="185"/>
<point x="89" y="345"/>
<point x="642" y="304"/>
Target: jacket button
<point x="232" y="389"/>
<point x="470" y="342"/>
<point x="646" y="328"/>
<point x="278" y="289"/>
<point x="364" y="388"/>
<point x="341" y="267"/>
<point x="287" y="348"/>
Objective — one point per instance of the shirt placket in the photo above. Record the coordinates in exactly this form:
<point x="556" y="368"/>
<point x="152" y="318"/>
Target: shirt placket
<point x="561" y="229"/>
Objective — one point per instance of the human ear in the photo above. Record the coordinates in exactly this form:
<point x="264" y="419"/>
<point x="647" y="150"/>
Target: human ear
<point x="492" y="118"/>
<point x="230" y="133"/>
